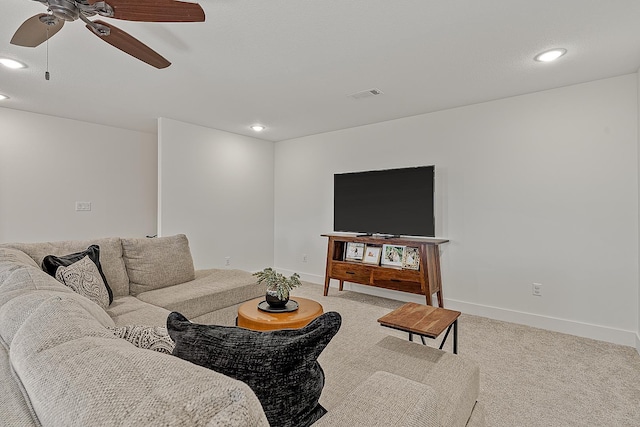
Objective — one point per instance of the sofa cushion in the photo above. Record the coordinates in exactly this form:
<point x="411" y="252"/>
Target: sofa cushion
<point x="154" y="338"/>
<point x="210" y="291"/>
<point x="456" y="380"/>
<point x="84" y="278"/>
<point x="14" y="313"/>
<point x="280" y="366"/>
<point x="76" y="372"/>
<point x="51" y="264"/>
<point x="414" y="404"/>
<point x="26" y="289"/>
<point x="15" y="409"/>
<point x="110" y="257"/>
<point x="10" y="257"/>
<point x="131" y="311"/>
<point x="157" y="263"/>
<point x="11" y="261"/>
<point x="20" y="280"/>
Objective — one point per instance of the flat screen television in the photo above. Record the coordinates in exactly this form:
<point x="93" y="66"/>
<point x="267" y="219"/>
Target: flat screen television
<point x="397" y="202"/>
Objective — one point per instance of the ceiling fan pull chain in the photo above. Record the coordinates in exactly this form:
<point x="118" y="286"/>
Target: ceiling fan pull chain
<point x="46" y="73"/>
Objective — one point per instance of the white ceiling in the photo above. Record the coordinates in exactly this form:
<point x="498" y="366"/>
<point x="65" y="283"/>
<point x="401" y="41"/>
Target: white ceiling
<point x="289" y="64"/>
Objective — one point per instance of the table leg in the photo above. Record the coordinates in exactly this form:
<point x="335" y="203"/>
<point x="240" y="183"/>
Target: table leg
<point x="445" y="337"/>
<point x="421" y="338"/>
<point x="455" y="337"/>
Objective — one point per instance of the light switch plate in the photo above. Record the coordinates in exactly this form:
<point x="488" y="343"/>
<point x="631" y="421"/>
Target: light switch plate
<point x="83" y="206"/>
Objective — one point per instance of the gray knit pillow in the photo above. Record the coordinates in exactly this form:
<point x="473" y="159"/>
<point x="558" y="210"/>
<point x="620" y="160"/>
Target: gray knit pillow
<point x="157" y="263"/>
<point x="281" y="367"/>
<point x="153" y="338"/>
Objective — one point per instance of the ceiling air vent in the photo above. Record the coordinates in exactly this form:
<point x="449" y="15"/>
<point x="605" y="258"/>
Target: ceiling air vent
<point x="365" y="93"/>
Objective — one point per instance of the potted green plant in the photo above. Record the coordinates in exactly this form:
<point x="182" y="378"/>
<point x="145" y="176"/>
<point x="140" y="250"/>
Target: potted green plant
<point x="278" y="286"/>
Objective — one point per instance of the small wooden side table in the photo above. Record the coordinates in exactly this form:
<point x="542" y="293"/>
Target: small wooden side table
<point x="425" y="321"/>
<point x="251" y="317"/>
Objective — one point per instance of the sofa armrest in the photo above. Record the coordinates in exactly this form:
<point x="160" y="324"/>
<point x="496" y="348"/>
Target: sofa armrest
<point x="385" y="399"/>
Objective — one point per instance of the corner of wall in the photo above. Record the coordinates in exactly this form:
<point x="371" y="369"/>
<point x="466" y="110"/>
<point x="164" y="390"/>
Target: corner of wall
<point x="159" y="189"/>
<point x="638" y="169"/>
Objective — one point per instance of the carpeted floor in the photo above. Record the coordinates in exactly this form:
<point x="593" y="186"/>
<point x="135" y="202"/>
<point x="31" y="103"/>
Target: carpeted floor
<point x="528" y="377"/>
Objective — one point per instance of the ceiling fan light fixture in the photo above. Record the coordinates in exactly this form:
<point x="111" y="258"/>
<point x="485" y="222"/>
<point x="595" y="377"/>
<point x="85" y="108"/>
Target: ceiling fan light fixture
<point x="41" y="27"/>
<point x="550" y="55"/>
<point x="12" y="63"/>
<point x="258" y="128"/>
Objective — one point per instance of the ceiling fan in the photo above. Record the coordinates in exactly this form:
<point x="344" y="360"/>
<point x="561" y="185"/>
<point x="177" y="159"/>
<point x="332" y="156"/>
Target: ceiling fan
<point x="41" y="27"/>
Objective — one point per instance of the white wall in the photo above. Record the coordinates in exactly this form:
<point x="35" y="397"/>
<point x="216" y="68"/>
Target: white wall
<point x="49" y="163"/>
<point x="217" y="188"/>
<point x="535" y="188"/>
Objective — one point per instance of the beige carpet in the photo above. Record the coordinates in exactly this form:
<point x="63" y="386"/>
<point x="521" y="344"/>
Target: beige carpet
<point x="528" y="376"/>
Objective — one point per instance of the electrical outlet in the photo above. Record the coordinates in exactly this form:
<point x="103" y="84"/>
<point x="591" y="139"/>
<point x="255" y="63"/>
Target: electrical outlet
<point x="227" y="261"/>
<point x="304" y="257"/>
<point x="537" y="289"/>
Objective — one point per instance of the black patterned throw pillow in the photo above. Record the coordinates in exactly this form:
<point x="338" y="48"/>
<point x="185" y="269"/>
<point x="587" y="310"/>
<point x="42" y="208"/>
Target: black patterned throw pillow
<point x="84" y="278"/>
<point x="281" y="367"/>
<point x="50" y="263"/>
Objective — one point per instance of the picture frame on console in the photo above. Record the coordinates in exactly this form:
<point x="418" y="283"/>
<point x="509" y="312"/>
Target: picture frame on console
<point x="372" y="255"/>
<point x="392" y="255"/>
<point x="411" y="258"/>
<point x="354" y="251"/>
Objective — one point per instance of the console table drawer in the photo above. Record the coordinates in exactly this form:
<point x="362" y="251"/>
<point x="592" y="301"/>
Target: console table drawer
<point x="399" y="285"/>
<point x="351" y="272"/>
<point x="398" y="280"/>
<point x="384" y="274"/>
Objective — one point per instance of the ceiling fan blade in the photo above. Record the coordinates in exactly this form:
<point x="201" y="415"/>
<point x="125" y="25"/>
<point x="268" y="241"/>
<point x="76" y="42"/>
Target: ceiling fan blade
<point x="35" y="30"/>
<point x="129" y="44"/>
<point x="155" y="10"/>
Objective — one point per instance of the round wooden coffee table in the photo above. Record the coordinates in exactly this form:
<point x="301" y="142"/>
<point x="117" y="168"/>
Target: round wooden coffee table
<point x="250" y="317"/>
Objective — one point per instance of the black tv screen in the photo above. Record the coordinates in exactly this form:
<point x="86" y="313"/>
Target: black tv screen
<point x="392" y="201"/>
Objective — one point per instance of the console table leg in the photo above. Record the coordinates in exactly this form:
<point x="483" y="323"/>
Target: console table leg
<point x="429" y="300"/>
<point x="341" y="284"/>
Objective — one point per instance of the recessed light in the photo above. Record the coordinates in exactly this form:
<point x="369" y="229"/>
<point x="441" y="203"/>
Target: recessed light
<point x="550" y="55"/>
<point x="258" y="128"/>
<point x="3" y="97"/>
<point x="12" y="63"/>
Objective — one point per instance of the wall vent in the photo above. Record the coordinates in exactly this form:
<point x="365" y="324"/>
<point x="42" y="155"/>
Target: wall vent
<point x="365" y="93"/>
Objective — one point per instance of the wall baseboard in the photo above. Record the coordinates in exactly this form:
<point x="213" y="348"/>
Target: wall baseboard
<point x="571" y="327"/>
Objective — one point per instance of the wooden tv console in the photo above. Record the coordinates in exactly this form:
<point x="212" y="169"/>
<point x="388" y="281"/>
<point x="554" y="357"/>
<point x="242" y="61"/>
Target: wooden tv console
<point x="425" y="281"/>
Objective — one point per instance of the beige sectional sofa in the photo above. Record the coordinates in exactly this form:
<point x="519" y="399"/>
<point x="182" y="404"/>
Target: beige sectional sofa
<point x="60" y="364"/>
